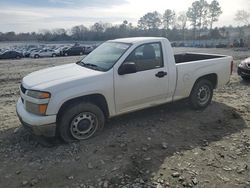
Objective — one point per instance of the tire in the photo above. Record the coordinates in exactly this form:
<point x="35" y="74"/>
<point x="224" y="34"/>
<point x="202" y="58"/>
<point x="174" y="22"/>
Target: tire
<point x="18" y="57"/>
<point x="85" y="116"/>
<point x="36" y="56"/>
<point x="245" y="78"/>
<point x="201" y="94"/>
<point x="53" y="55"/>
<point x="66" y="54"/>
<point x="81" y="53"/>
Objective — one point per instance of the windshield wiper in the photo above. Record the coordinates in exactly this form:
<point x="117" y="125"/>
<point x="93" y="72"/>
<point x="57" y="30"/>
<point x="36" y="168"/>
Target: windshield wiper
<point x="90" y="65"/>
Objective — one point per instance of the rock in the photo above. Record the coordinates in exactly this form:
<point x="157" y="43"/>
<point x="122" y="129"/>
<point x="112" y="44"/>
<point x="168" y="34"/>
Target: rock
<point x="195" y="181"/>
<point x="176" y="174"/>
<point x="122" y="145"/>
<point x="159" y="186"/>
<point x="149" y="138"/>
<point x="102" y="162"/>
<point x="16" y="130"/>
<point x="184" y="184"/>
<point x="33" y="182"/>
<point x="90" y="166"/>
<point x="164" y="145"/>
<point x="115" y="168"/>
<point x="24" y="183"/>
<point x="225" y="179"/>
<point x="167" y="184"/>
<point x="147" y="159"/>
<point x="106" y="184"/>
<point x="71" y="177"/>
<point x="240" y="171"/>
<point x="227" y="168"/>
<point x="181" y="178"/>
<point x="18" y="172"/>
<point x="144" y="148"/>
<point x="82" y="185"/>
<point x="141" y="181"/>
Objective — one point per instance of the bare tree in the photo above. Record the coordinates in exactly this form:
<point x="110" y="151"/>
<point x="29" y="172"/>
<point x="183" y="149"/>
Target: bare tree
<point x="197" y="15"/>
<point x="169" y="18"/>
<point x="242" y="17"/>
<point x="78" y="32"/>
<point x="182" y="22"/>
<point x="151" y="20"/>
<point x="214" y="12"/>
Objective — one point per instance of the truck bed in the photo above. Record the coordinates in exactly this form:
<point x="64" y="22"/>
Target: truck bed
<point x="187" y="57"/>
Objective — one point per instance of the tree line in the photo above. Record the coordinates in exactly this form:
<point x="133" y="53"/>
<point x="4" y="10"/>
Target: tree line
<point x="195" y="23"/>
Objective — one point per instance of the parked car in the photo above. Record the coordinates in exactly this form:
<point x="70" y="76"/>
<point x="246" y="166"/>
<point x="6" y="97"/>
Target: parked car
<point x="10" y="54"/>
<point x="59" y="51"/>
<point x="43" y="53"/>
<point x="75" y="50"/>
<point x="244" y="69"/>
<point x="88" y="49"/>
<point x="27" y="53"/>
<point x="120" y="76"/>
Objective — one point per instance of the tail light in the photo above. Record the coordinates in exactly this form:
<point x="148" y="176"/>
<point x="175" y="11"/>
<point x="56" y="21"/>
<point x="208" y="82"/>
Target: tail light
<point x="232" y="67"/>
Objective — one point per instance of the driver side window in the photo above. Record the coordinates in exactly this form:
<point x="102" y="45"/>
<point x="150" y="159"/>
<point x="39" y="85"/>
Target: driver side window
<point x="147" y="56"/>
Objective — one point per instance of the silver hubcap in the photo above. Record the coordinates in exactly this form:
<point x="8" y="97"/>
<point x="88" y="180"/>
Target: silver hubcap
<point x="83" y="125"/>
<point x="203" y="94"/>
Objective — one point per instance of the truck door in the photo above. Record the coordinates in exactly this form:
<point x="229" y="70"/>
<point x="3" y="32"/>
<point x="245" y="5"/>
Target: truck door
<point x="148" y="86"/>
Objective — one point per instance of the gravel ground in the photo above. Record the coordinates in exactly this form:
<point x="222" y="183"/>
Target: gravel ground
<point x="166" y="146"/>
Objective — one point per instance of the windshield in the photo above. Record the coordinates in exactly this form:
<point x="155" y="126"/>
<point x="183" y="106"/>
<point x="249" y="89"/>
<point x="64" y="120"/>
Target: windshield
<point x="105" y="56"/>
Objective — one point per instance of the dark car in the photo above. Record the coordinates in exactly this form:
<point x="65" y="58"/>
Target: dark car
<point x="88" y="49"/>
<point x="11" y="54"/>
<point x="75" y="50"/>
<point x="244" y="69"/>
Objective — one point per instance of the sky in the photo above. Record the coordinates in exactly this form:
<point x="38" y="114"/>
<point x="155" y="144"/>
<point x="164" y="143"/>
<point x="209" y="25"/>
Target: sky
<point x="35" y="15"/>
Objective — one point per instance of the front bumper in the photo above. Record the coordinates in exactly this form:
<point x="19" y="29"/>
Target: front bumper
<point x="39" y="125"/>
<point x="243" y="72"/>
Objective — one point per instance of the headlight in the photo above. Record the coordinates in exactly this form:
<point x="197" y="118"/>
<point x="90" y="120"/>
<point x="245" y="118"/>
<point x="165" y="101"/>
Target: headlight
<point x="38" y="94"/>
<point x="38" y="109"/>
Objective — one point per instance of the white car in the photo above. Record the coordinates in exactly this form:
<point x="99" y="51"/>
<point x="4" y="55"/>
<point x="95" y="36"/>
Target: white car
<point x="120" y="76"/>
<point x="43" y="53"/>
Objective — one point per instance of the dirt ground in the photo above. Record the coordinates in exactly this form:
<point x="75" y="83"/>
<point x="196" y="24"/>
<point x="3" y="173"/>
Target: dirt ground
<point x="165" y="146"/>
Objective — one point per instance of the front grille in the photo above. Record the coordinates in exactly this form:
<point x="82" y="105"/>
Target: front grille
<point x="23" y="89"/>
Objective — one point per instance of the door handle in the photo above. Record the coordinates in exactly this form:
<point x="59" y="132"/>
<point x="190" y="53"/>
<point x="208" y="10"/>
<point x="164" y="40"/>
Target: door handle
<point x="161" y="74"/>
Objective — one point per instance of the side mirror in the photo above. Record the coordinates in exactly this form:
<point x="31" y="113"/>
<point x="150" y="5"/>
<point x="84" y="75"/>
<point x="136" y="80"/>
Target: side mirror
<point x="127" y="68"/>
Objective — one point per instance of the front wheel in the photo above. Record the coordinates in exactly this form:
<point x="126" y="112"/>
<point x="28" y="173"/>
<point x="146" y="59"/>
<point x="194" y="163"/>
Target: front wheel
<point x="246" y="78"/>
<point x="201" y="95"/>
<point x="80" y="122"/>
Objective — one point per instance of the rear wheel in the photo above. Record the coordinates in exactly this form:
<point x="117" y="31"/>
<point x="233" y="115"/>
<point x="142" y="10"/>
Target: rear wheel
<point x="66" y="54"/>
<point x="80" y="122"/>
<point x="36" y="56"/>
<point x="18" y="57"/>
<point x="201" y="94"/>
<point x="53" y="55"/>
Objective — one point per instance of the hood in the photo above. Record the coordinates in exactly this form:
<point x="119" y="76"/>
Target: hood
<point x="57" y="75"/>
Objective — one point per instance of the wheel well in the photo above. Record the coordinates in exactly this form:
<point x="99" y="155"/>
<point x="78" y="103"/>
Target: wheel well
<point x="213" y="78"/>
<point x="96" y="99"/>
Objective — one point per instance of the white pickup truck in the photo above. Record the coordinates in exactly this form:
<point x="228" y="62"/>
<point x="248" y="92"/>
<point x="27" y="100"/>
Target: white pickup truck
<point x="120" y="76"/>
